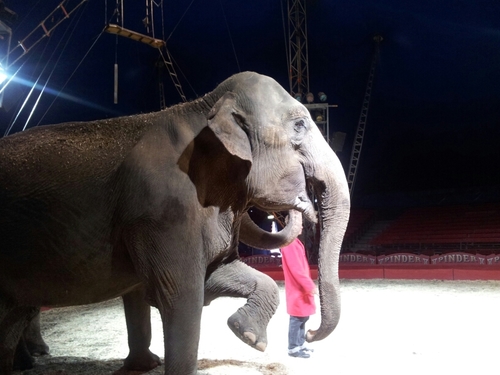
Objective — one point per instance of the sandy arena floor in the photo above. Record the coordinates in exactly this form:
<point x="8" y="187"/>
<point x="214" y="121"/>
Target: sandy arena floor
<point x="388" y="327"/>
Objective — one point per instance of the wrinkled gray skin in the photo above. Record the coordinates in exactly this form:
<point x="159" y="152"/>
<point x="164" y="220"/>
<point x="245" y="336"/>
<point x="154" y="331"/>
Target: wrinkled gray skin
<point x="32" y="344"/>
<point x="149" y="207"/>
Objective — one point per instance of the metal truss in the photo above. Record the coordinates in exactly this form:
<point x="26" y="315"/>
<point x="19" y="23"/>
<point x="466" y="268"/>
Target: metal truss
<point x="298" y="53"/>
<point x="43" y="30"/>
<point x="360" y="131"/>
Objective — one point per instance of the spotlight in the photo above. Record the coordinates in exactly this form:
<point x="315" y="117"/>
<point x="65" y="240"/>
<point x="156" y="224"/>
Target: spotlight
<point x="3" y="75"/>
<point x="319" y="118"/>
<point x="310" y="97"/>
<point x="322" y="96"/>
<point x="298" y="97"/>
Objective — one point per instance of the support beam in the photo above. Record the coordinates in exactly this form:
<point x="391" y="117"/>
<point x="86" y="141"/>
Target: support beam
<point x="138" y="37"/>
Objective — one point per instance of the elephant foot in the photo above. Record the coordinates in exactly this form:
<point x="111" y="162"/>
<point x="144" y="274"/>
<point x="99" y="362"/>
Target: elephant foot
<point x="139" y="362"/>
<point x="26" y="363"/>
<point x="247" y="330"/>
<point x="6" y="358"/>
<point x="124" y="371"/>
<point x="22" y="357"/>
<point x="37" y="349"/>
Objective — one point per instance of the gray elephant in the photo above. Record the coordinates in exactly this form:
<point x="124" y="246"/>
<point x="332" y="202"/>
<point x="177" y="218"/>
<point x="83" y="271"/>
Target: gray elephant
<point x="151" y="207"/>
<point x="229" y="283"/>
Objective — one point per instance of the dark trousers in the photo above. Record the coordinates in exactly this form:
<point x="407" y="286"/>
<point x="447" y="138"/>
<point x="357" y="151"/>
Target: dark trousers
<point x="297" y="331"/>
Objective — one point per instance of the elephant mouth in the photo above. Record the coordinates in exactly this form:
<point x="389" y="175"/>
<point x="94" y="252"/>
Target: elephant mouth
<point x="304" y="205"/>
<point x="301" y="204"/>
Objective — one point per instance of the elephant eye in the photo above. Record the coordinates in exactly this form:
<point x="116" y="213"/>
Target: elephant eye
<point x="239" y="119"/>
<point x="299" y="126"/>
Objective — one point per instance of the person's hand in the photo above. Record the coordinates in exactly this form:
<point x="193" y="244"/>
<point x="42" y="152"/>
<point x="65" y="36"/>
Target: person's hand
<point x="315" y="291"/>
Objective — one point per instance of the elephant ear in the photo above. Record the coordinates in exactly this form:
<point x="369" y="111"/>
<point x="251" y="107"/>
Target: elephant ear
<point x="219" y="159"/>
<point x="222" y="121"/>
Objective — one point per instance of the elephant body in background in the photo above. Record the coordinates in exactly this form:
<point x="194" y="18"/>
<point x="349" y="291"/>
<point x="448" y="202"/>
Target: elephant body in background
<point x="149" y="207"/>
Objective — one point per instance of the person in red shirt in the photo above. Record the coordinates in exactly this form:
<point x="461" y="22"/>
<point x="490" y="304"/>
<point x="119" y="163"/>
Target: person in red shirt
<point x="299" y="290"/>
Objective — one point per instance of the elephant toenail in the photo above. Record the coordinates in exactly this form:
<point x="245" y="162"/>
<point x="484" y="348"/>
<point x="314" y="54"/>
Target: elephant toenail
<point x="250" y="337"/>
<point x="261" y="346"/>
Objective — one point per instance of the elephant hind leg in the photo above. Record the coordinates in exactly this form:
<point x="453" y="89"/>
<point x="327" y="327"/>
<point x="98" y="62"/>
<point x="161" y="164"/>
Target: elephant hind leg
<point x="35" y="344"/>
<point x="22" y="356"/>
<point x="249" y="322"/>
<point x="13" y="321"/>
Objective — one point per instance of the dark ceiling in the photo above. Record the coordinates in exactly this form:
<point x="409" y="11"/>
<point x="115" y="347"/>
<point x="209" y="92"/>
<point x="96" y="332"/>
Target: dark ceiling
<point x="434" y="117"/>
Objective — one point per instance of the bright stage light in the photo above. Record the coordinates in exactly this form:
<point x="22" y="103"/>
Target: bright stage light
<point x="3" y="75"/>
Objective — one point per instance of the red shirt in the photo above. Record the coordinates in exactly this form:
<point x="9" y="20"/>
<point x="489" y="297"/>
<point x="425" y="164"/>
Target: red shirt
<point x="299" y="287"/>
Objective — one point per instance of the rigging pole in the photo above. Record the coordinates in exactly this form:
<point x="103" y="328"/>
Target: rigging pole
<point x="360" y="131"/>
<point x="297" y="48"/>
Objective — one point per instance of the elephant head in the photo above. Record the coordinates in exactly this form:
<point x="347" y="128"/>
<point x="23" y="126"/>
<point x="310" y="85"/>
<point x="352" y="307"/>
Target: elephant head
<point x="258" y="121"/>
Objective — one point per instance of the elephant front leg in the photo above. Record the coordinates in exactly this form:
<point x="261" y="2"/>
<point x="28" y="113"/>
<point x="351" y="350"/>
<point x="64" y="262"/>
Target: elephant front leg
<point x="249" y="322"/>
<point x="33" y="338"/>
<point x="30" y="344"/>
<point x="181" y="333"/>
<point x="138" y="318"/>
<point x="13" y="321"/>
<point x="173" y="282"/>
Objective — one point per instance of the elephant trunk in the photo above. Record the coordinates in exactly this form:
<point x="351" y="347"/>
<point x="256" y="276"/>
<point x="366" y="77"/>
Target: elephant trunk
<point x="331" y="190"/>
<point x="253" y="235"/>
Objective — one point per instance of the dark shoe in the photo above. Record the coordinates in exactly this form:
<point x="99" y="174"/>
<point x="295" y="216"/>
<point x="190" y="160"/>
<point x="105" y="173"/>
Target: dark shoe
<point x="299" y="354"/>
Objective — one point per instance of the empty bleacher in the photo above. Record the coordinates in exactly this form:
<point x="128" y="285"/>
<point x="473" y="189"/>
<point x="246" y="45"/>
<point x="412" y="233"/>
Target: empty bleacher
<point x="434" y="230"/>
<point x="359" y="222"/>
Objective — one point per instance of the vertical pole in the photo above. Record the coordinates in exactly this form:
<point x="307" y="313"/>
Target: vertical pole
<point x="115" y="95"/>
<point x="151" y="17"/>
<point x="360" y="131"/>
<point x="122" y="15"/>
<point x="147" y="19"/>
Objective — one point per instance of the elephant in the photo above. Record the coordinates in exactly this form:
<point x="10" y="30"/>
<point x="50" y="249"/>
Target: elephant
<point x="32" y="343"/>
<point x="151" y="207"/>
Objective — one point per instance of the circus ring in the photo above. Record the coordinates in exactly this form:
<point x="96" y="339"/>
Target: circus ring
<point x="442" y="323"/>
<point x="388" y="327"/>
